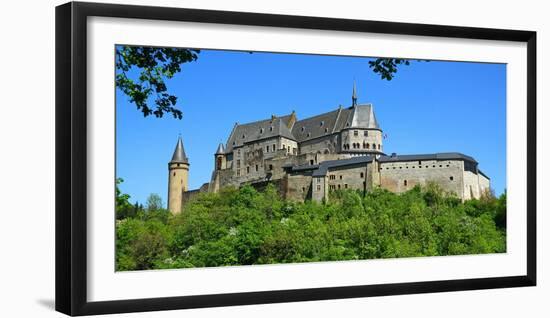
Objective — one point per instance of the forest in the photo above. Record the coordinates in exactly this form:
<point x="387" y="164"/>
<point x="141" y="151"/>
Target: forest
<point x="245" y="226"/>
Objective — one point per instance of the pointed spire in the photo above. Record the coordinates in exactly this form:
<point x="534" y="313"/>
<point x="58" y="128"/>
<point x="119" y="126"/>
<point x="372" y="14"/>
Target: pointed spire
<point x="354" y="95"/>
<point x="179" y="153"/>
<point x="220" y="150"/>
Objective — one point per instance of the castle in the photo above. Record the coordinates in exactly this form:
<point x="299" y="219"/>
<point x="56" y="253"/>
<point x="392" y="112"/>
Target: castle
<point x="306" y="159"/>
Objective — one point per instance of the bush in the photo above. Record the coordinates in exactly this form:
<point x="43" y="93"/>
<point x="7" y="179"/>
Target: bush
<point x="244" y="226"/>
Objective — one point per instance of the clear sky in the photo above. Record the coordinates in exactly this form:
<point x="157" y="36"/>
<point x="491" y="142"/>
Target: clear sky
<point x="428" y="107"/>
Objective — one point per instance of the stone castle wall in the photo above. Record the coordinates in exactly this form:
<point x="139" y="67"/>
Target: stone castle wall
<point x="402" y="176"/>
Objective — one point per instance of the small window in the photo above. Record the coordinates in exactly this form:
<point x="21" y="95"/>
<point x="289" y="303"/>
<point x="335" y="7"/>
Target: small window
<point x="362" y="174"/>
<point x="368" y="146"/>
<point x="303" y="189"/>
<point x="318" y="187"/>
<point x="271" y="128"/>
<point x="373" y="146"/>
<point x="303" y="129"/>
<point x="238" y="172"/>
<point x="270" y="167"/>
<point x="256" y="167"/>
<point x="322" y="123"/>
<point x="234" y="143"/>
<point x="378" y="146"/>
<point x="266" y="148"/>
<point x="326" y="130"/>
<point x="311" y="162"/>
<point x="340" y="177"/>
<point x="419" y="163"/>
<point x="365" y="133"/>
<point x="261" y="130"/>
<point x="345" y="185"/>
<point x="174" y="174"/>
<point x="405" y="183"/>
<point x="355" y="133"/>
<point x="309" y="134"/>
<point x="247" y="169"/>
<point x="273" y="147"/>
<point x="243" y="136"/>
<point x="338" y="187"/>
<point x="451" y="178"/>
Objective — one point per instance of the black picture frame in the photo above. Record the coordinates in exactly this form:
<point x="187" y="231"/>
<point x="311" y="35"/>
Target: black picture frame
<point x="71" y="157"/>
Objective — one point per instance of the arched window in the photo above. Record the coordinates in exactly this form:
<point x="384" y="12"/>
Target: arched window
<point x="368" y="146"/>
<point x="405" y="182"/>
<point x="373" y="146"/>
<point x="378" y="146"/>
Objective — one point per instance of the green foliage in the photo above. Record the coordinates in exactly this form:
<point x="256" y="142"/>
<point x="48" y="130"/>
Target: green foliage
<point x="387" y="67"/>
<point x="155" y="66"/>
<point x="244" y="226"/>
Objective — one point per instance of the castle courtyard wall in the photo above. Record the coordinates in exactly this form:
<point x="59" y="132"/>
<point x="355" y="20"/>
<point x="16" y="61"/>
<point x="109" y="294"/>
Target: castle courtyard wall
<point x="402" y="176"/>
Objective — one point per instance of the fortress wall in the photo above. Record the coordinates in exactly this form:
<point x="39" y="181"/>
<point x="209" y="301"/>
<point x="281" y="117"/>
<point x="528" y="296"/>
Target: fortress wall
<point x="297" y="187"/>
<point x="394" y="174"/>
<point x="348" y="177"/>
<point x="484" y="183"/>
<point x="472" y="187"/>
<point x="319" y="188"/>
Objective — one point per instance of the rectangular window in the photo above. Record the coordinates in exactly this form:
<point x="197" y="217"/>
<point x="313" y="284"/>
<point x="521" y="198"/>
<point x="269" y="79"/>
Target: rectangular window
<point x="362" y="174"/>
<point x="266" y="148"/>
<point x="270" y="167"/>
<point x="256" y="168"/>
<point x="238" y="172"/>
<point x="355" y="133"/>
<point x="247" y="169"/>
<point x="273" y="147"/>
<point x="346" y="185"/>
<point x="318" y="187"/>
<point x="366" y="133"/>
<point x="238" y="163"/>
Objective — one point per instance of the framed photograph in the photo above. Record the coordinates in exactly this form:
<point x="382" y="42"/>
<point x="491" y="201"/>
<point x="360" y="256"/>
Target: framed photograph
<point x="211" y="158"/>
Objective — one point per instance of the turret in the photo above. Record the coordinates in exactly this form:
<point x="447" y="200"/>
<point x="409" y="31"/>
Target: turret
<point x="178" y="169"/>
<point x="220" y="158"/>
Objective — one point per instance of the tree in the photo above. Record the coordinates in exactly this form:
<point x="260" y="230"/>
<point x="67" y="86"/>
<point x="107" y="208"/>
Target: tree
<point x="154" y="202"/>
<point x="155" y="65"/>
<point x="387" y="67"/>
<point x="123" y="207"/>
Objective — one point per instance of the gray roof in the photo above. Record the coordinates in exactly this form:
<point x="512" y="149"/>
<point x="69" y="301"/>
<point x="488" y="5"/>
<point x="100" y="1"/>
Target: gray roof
<point x="433" y="156"/>
<point x="359" y="116"/>
<point x="262" y="129"/>
<point x="220" y="150"/>
<point x="325" y="165"/>
<point x="179" y="153"/>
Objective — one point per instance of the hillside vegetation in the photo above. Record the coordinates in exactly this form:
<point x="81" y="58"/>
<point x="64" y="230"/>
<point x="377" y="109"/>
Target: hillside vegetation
<point x="244" y="226"/>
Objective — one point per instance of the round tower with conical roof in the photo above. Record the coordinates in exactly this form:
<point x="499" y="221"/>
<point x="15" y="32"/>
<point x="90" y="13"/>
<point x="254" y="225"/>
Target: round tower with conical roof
<point x="178" y="178"/>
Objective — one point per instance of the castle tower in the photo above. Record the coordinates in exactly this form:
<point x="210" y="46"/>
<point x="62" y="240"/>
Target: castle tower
<point x="178" y="177"/>
<point x="220" y="158"/>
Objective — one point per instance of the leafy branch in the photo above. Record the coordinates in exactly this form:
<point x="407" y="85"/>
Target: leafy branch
<point x="156" y="65"/>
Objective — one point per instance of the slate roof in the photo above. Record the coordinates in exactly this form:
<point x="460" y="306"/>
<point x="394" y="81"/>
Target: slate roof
<point x="434" y="156"/>
<point x="179" y="153"/>
<point x="360" y="116"/>
<point x="262" y="129"/>
<point x="325" y="165"/>
<point x="220" y="150"/>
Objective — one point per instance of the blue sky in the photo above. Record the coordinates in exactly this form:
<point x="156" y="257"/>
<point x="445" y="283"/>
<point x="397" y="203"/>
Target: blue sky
<point x="428" y="107"/>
